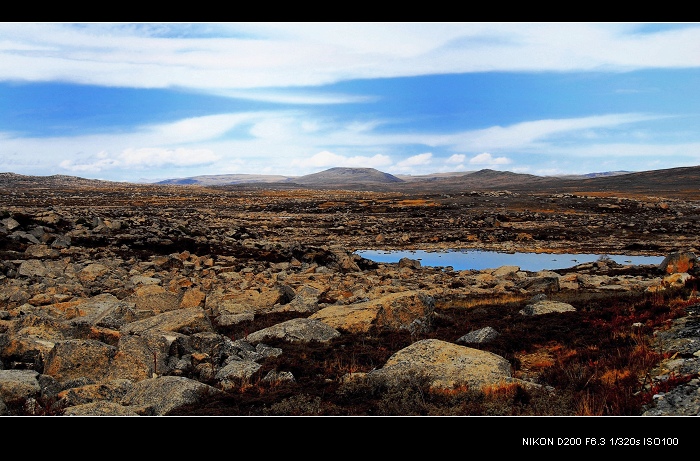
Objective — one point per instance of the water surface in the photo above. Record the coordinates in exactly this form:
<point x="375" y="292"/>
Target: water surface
<point x="480" y="260"/>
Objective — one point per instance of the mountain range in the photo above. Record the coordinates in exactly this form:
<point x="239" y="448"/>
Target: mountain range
<point x="679" y="182"/>
<point x="673" y="182"/>
<point x="370" y="176"/>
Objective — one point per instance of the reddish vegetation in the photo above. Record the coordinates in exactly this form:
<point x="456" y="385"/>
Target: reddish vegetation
<point x="595" y="359"/>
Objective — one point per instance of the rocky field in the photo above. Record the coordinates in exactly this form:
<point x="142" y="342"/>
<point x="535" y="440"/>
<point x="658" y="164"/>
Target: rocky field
<point x="125" y="299"/>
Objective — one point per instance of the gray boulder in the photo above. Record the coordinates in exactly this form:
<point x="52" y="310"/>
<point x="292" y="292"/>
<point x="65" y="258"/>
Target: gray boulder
<point x="296" y="330"/>
<point x="158" y="396"/>
<point x="546" y="307"/>
<point x="445" y="365"/>
<point x="480" y="336"/>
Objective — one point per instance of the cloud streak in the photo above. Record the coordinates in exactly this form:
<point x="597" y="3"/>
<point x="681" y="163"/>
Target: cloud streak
<point x="294" y="98"/>
<point x="306" y="144"/>
<point x="263" y="55"/>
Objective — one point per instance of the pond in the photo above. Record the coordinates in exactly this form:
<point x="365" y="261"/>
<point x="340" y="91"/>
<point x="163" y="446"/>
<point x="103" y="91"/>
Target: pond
<point x="480" y="260"/>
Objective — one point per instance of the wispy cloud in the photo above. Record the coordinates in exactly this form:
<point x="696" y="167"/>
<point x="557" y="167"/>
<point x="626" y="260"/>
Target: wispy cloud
<point x="293" y="98"/>
<point x="260" y="55"/>
<point x="533" y="133"/>
<point x="291" y="137"/>
<point x="329" y="159"/>
<point x="141" y="158"/>
<point x="409" y="164"/>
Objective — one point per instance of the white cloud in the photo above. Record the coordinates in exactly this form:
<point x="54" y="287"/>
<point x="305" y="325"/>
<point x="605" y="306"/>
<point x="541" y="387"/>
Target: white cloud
<point x="415" y="160"/>
<point x="330" y="159"/>
<point x="141" y="158"/>
<point x="300" y="98"/>
<point x="200" y="128"/>
<point x="265" y="55"/>
<point x="149" y="157"/>
<point x="488" y="159"/>
<point x="534" y="133"/>
<point x="281" y="142"/>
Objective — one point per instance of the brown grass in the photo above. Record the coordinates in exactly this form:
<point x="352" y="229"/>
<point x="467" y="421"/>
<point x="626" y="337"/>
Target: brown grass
<point x="594" y="359"/>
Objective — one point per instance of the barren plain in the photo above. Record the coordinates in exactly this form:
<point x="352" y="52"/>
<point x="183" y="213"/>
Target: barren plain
<point x="207" y="244"/>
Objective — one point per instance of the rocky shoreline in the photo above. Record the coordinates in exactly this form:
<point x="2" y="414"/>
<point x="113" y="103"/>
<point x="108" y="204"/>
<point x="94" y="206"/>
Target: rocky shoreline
<point x="145" y="300"/>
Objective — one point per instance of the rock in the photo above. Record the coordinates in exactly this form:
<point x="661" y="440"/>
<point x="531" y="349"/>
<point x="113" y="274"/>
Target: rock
<point x="480" y="336"/>
<point x="188" y="321"/>
<point x="681" y="261"/>
<point x="236" y="372"/>
<point x="100" y="408"/>
<point x="109" y="391"/>
<point x="446" y="365"/>
<point x="122" y="309"/>
<point x="18" y="385"/>
<point x="304" y="300"/>
<point x="92" y="271"/>
<point x="409" y="310"/>
<point x="547" y="307"/>
<point x="409" y="263"/>
<point x="33" y="268"/>
<point x="296" y="330"/>
<point x="78" y="358"/>
<point x="158" y="396"/>
<point x="505" y="271"/>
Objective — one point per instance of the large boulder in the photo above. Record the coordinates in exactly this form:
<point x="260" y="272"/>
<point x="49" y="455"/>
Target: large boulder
<point x="546" y="307"/>
<point x="408" y="310"/>
<point x="18" y="385"/>
<point x="445" y="365"/>
<point x="158" y="396"/>
<point x="681" y="261"/>
<point x="80" y="358"/>
<point x="186" y="321"/>
<point x="296" y="330"/>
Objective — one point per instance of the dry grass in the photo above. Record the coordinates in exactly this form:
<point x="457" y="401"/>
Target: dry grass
<point x="595" y="361"/>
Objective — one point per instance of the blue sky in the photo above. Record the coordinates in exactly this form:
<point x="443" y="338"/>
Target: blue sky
<point x="150" y="101"/>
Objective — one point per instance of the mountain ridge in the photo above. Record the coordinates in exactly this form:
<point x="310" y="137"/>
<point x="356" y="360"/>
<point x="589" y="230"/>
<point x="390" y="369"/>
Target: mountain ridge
<point x="678" y="181"/>
<point x="356" y="175"/>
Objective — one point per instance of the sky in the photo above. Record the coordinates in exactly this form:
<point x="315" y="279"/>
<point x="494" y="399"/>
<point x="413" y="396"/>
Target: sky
<point x="144" y="102"/>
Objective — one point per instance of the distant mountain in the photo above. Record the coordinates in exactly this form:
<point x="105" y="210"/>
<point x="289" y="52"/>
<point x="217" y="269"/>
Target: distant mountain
<point x="338" y="176"/>
<point x="225" y="179"/>
<point x="57" y="180"/>
<point x="432" y="176"/>
<point x="594" y="175"/>
<point x="479" y="180"/>
<point x="671" y="182"/>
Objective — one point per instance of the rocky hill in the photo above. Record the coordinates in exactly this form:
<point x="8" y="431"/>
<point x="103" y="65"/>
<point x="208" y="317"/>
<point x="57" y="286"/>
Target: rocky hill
<point x="346" y="176"/>
<point x="12" y="180"/>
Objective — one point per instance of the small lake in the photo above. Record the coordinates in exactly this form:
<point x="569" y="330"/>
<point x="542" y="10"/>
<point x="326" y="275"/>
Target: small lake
<point x="479" y="260"/>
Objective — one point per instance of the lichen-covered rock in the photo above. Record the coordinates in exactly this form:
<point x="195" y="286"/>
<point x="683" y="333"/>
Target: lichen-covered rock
<point x="158" y="396"/>
<point x="296" y="330"/>
<point x="407" y="310"/>
<point x="480" y="336"/>
<point x="445" y="364"/>
<point x="18" y="385"/>
<point x="546" y="307"/>
<point x="680" y="261"/>
<point x="77" y="358"/>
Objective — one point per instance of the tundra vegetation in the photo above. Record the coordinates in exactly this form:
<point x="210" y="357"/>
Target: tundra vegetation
<point x="65" y="241"/>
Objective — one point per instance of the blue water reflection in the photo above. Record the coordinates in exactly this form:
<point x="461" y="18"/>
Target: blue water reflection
<point x="480" y="260"/>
